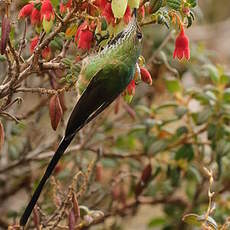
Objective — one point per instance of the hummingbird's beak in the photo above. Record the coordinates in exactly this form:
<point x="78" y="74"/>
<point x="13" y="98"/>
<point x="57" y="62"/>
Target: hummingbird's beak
<point x="135" y="12"/>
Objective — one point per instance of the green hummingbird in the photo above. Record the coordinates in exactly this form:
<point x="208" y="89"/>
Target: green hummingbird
<point x="103" y="77"/>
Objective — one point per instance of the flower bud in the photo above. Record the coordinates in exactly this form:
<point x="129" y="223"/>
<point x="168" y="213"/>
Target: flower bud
<point x="145" y="76"/>
<point x="35" y="17"/>
<point x="26" y="11"/>
<point x="47" y="15"/>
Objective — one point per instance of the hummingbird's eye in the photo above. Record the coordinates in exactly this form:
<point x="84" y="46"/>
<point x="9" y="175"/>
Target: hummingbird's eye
<point x="139" y="35"/>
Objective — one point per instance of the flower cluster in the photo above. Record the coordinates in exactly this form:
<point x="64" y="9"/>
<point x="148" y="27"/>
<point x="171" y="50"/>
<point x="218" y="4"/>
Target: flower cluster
<point x="41" y="13"/>
<point x="31" y="11"/>
<point x="38" y="14"/>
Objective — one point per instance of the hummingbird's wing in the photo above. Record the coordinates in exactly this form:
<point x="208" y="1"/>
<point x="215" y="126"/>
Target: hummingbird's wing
<point x="103" y="89"/>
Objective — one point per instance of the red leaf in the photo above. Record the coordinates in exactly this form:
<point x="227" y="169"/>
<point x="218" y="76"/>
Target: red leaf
<point x="146" y="173"/>
<point x="76" y="208"/>
<point x="62" y="102"/>
<point x="55" y="110"/>
<point x="72" y="220"/>
<point x="26" y="10"/>
<point x="2" y="135"/>
<point x="5" y="34"/>
<point x="117" y="105"/>
<point x="99" y="172"/>
<point x="36" y="217"/>
<point x="145" y="177"/>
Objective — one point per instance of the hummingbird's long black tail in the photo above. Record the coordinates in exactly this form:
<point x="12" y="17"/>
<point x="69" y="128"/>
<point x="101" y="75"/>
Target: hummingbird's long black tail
<point x="95" y="99"/>
<point x="61" y="149"/>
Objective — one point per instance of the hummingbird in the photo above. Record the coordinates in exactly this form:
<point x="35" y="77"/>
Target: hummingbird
<point x="103" y="77"/>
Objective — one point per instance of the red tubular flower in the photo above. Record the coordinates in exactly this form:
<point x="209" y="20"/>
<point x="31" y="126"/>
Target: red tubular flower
<point x="33" y="43"/>
<point x="103" y="3"/>
<point x="127" y="15"/>
<point x="26" y="10"/>
<point x="141" y="11"/>
<point x="146" y="76"/>
<point x="84" y="37"/>
<point x="182" y="46"/>
<point x="108" y="13"/>
<point x="131" y="88"/>
<point x="65" y="6"/>
<point x="35" y="17"/>
<point x="47" y="11"/>
<point x="46" y="52"/>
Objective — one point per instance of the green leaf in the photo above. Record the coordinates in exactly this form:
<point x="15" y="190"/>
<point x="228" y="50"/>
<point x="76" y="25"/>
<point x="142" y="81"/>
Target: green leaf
<point x="119" y="8"/>
<point x="192" y="219"/>
<point x="212" y="130"/>
<point x="138" y="128"/>
<point x="83" y="210"/>
<point x="166" y="106"/>
<point x="143" y="108"/>
<point x="224" y="79"/>
<point x="56" y="44"/>
<point x="103" y="24"/>
<point x="181" y="130"/>
<point x="2" y="58"/>
<point x="174" y="4"/>
<point x="158" y="146"/>
<point x="134" y="3"/>
<point x="226" y="95"/>
<point x="155" y="5"/>
<point x="223" y="147"/>
<point x="213" y="73"/>
<point x="194" y="172"/>
<point x="181" y="111"/>
<point x="109" y="163"/>
<point x="55" y="3"/>
<point x="202" y="97"/>
<point x="157" y="222"/>
<point x="174" y="174"/>
<point x="47" y="25"/>
<point x="203" y="116"/>
<point x="196" y="220"/>
<point x="150" y="122"/>
<point x="173" y="85"/>
<point x="185" y="152"/>
<point x="193" y="3"/>
<point x="67" y="61"/>
<point x="128" y="98"/>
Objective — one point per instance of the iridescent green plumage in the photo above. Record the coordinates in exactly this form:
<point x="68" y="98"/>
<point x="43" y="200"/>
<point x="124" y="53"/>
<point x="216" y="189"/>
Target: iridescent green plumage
<point x="102" y="79"/>
<point x="123" y="49"/>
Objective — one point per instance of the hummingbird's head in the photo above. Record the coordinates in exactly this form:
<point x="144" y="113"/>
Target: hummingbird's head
<point x="128" y="41"/>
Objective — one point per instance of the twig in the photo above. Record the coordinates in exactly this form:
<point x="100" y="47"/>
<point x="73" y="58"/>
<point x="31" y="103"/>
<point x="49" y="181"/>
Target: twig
<point x="9" y="115"/>
<point x="23" y="40"/>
